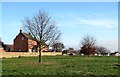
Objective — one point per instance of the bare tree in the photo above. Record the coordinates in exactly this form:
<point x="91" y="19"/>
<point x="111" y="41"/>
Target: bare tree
<point x="42" y="29"/>
<point x="57" y="46"/>
<point x="88" y="40"/>
<point x="102" y="50"/>
<point x="88" y="43"/>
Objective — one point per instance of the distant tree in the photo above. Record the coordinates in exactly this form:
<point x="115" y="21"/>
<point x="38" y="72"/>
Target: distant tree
<point x="88" y="45"/>
<point x="71" y="51"/>
<point x="70" y="48"/>
<point x="42" y="29"/>
<point x="102" y="50"/>
<point x="57" y="46"/>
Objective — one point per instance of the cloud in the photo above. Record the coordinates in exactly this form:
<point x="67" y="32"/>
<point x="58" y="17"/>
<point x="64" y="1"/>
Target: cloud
<point x="99" y="22"/>
<point x="96" y="20"/>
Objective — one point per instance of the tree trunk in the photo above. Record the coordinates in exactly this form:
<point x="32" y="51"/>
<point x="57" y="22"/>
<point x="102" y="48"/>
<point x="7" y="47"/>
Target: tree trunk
<point x="40" y="56"/>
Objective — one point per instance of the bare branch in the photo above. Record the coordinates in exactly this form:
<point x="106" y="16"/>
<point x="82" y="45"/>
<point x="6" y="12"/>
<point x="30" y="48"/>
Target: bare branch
<point x="42" y="27"/>
<point x="88" y="40"/>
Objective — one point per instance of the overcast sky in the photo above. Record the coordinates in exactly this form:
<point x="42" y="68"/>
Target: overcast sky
<point x="74" y="19"/>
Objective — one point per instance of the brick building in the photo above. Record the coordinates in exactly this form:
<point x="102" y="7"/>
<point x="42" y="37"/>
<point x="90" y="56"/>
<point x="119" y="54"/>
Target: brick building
<point x="25" y="42"/>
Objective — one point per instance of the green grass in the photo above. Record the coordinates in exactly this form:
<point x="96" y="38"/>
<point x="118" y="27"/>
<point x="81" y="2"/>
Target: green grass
<point x="61" y="65"/>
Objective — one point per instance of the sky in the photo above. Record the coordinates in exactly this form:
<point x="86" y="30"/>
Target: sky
<point x="74" y="19"/>
<point x="60" y="0"/>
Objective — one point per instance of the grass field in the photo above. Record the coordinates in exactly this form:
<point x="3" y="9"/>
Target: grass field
<point x="61" y="65"/>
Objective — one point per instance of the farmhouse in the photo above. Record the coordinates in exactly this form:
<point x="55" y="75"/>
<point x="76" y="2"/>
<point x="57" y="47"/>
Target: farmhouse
<point x="25" y="42"/>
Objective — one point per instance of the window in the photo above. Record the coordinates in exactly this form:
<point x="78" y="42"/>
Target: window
<point x="22" y="38"/>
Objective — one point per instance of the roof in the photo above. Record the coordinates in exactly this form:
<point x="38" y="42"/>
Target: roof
<point x="28" y="36"/>
<point x="10" y="46"/>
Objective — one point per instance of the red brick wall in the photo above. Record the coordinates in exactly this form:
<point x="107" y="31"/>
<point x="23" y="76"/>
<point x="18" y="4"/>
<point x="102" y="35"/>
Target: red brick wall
<point x="20" y="43"/>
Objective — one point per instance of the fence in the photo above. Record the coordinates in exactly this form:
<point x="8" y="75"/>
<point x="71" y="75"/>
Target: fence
<point x="4" y="54"/>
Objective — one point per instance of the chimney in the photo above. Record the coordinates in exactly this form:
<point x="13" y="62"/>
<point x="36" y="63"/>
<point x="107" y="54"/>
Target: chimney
<point x="0" y="40"/>
<point x="29" y="33"/>
<point x="20" y="31"/>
